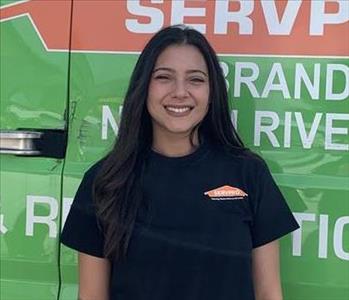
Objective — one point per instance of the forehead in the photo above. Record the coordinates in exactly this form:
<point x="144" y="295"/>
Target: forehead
<point x="181" y="56"/>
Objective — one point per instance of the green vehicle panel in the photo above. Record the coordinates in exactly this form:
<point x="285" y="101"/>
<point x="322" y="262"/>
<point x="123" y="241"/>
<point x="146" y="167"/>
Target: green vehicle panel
<point x="289" y="99"/>
<point x="33" y="91"/>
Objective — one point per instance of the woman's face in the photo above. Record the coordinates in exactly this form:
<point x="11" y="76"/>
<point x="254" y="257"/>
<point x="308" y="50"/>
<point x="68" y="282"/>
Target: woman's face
<point x="178" y="91"/>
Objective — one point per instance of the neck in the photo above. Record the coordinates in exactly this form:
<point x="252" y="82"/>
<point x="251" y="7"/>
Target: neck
<point x="170" y="146"/>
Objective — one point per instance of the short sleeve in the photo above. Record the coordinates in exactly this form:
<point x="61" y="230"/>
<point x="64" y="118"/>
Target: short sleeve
<point x="272" y="216"/>
<point x="81" y="231"/>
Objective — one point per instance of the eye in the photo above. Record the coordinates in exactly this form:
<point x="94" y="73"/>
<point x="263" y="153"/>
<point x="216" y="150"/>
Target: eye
<point x="162" y="77"/>
<point x="197" y="80"/>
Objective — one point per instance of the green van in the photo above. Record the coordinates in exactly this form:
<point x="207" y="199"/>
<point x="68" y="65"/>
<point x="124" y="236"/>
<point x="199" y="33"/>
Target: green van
<point x="65" y="66"/>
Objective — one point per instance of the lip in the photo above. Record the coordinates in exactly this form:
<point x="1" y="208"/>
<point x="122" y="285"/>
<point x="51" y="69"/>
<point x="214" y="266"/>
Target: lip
<point x="178" y="114"/>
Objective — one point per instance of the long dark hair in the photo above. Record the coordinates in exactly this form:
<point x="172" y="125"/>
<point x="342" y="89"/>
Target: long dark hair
<point x="118" y="185"/>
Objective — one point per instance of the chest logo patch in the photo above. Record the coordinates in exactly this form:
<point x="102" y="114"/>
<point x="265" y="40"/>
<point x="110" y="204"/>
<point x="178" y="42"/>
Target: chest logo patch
<point x="226" y="192"/>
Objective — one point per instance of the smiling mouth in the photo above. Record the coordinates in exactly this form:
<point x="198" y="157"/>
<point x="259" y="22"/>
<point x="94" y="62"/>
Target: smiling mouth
<point x="178" y="109"/>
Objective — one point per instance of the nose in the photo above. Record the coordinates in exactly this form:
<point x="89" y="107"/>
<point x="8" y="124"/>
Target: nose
<point x="180" y="89"/>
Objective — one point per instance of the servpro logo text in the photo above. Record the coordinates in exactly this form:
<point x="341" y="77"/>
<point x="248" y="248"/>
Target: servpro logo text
<point x="267" y="27"/>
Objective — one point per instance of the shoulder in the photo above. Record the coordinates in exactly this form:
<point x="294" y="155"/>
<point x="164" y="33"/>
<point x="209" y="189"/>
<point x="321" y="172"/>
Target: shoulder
<point x="93" y="170"/>
<point x="244" y="157"/>
<point x="83" y="198"/>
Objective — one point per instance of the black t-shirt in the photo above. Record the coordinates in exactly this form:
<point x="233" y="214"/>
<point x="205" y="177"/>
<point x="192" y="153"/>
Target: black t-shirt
<point x="206" y="213"/>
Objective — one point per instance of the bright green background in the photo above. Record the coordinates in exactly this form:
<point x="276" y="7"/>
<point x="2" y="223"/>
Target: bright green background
<point x="35" y="94"/>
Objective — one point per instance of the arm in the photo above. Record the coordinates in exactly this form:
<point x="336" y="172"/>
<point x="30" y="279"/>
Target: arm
<point x="265" y="269"/>
<point x="94" y="273"/>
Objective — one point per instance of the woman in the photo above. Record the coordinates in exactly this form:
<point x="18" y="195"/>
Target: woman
<point x="179" y="209"/>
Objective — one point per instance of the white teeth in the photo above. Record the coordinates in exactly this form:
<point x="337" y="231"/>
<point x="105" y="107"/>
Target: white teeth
<point x="177" y="109"/>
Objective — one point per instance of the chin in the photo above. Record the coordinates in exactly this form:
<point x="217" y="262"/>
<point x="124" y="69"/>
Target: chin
<point x="179" y="130"/>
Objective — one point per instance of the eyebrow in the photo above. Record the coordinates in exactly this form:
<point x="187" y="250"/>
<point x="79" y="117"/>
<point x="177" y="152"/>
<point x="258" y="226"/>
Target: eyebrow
<point x="172" y="71"/>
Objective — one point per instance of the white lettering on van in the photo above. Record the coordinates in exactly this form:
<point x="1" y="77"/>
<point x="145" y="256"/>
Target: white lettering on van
<point x="179" y="11"/>
<point x="155" y="15"/>
<point x="285" y="25"/>
<point x="302" y="76"/>
<point x="336" y="81"/>
<point x="3" y="228"/>
<point x="108" y="120"/>
<point x="307" y="139"/>
<point x="267" y="123"/>
<point x="319" y="18"/>
<point x="223" y="17"/>
<point x="330" y="131"/>
<point x="330" y="94"/>
<point x="276" y="72"/>
<point x="339" y="237"/>
<point x="241" y="68"/>
<point x="225" y="69"/>
<point x="287" y="129"/>
<point x="323" y="236"/>
<point x="303" y="220"/>
<point x="51" y="205"/>
<point x="243" y="17"/>
<point x="297" y="234"/>
<point x="273" y="122"/>
<point x="234" y="118"/>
